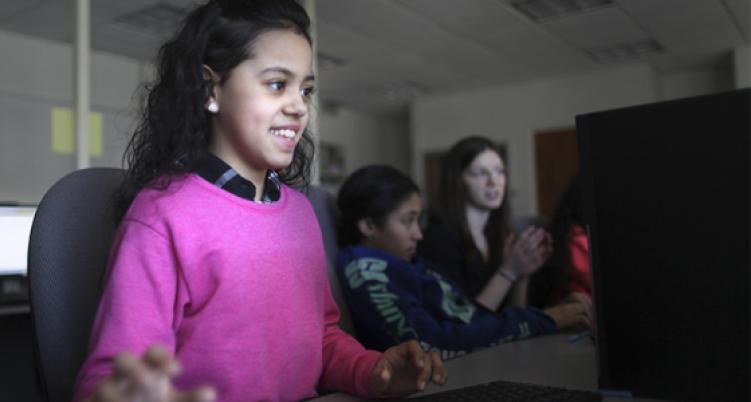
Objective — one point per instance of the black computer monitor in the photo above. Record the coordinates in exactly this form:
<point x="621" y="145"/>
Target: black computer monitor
<point x="666" y="194"/>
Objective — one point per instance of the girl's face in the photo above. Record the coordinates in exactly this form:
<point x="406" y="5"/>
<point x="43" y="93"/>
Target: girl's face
<point x="263" y="104"/>
<point x="400" y="232"/>
<point x="485" y="180"/>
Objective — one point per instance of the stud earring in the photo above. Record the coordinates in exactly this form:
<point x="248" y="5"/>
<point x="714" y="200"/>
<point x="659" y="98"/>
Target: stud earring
<point x="213" y="107"/>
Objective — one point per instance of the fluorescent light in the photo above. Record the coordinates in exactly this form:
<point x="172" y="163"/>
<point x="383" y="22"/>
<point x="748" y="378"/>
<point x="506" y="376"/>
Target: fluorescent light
<point x="403" y="91"/>
<point x="545" y="10"/>
<point x="624" y="51"/>
<point x="156" y="18"/>
<point x="328" y="62"/>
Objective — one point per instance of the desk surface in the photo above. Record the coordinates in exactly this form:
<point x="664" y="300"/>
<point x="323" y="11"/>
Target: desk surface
<point x="549" y="360"/>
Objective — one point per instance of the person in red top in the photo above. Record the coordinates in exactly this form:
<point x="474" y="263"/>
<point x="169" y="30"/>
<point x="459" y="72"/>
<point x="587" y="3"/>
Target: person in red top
<point x="578" y="247"/>
<point x="565" y="276"/>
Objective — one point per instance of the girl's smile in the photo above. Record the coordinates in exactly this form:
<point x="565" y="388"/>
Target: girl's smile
<point x="287" y="136"/>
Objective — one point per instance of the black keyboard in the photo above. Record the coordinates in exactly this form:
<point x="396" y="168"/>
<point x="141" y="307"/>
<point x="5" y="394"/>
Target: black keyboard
<point x="512" y="392"/>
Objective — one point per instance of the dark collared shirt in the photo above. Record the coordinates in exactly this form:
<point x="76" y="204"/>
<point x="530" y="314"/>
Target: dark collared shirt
<point x="219" y="173"/>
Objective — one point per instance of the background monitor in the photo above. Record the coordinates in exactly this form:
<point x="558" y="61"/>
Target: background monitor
<point x="666" y="196"/>
<point x="15" y="227"/>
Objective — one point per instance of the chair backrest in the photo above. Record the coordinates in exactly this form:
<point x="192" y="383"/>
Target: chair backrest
<point x="325" y="208"/>
<point x="68" y="248"/>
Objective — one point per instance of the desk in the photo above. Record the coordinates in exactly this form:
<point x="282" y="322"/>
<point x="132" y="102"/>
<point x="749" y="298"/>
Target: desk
<point x="549" y="360"/>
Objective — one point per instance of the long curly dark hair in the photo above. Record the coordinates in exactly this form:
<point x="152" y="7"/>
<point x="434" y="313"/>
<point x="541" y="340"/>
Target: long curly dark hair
<point x="453" y="199"/>
<point x="175" y="129"/>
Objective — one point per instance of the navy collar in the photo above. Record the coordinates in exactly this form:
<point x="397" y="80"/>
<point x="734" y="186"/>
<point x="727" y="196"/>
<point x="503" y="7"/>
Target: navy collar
<point x="219" y="173"/>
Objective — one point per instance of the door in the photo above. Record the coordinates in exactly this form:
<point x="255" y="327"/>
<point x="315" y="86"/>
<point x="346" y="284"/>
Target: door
<point x="556" y="161"/>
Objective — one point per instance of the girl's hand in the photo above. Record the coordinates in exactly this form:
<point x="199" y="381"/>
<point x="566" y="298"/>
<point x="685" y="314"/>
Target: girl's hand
<point x="574" y="313"/>
<point x="528" y="251"/>
<point x="146" y="380"/>
<point x="405" y="369"/>
<point x="578" y="297"/>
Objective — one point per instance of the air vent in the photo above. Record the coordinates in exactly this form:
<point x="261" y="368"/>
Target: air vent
<point x="403" y="91"/>
<point x="626" y="51"/>
<point x="157" y="18"/>
<point x="328" y="62"/>
<point x="546" y="10"/>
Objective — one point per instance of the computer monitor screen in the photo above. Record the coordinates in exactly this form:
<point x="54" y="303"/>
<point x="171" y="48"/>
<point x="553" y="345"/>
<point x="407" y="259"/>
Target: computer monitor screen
<point x="666" y="196"/>
<point x="15" y="227"/>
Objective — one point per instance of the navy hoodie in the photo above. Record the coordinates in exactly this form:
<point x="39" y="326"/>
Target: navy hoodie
<point x="392" y="300"/>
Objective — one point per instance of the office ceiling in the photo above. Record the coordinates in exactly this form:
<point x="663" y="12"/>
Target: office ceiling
<point x="376" y="55"/>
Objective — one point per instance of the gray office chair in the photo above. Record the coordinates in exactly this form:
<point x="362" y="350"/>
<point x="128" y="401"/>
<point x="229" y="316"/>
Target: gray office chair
<point x="68" y="248"/>
<point x="325" y="209"/>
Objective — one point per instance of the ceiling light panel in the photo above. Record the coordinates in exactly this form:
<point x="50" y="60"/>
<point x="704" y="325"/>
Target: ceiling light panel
<point x="158" y="18"/>
<point x="328" y="62"/>
<point x="546" y="10"/>
<point x="624" y="52"/>
<point x="402" y="91"/>
<point x="600" y="28"/>
<point x="686" y="27"/>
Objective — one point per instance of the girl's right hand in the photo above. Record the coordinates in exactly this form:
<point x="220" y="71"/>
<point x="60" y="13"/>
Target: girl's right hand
<point x="574" y="313"/>
<point x="405" y="369"/>
<point x="146" y="380"/>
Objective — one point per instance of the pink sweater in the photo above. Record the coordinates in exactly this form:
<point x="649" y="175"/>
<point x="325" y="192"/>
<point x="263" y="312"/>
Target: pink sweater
<point x="236" y="290"/>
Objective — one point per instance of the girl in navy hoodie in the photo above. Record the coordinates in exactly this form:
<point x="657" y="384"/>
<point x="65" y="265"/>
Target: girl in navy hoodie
<point x="395" y="296"/>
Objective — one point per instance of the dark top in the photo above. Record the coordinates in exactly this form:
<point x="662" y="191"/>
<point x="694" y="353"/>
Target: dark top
<point x="393" y="300"/>
<point x="445" y="249"/>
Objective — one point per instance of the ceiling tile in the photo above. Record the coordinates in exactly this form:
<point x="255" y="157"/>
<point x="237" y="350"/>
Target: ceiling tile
<point x="51" y="20"/>
<point x="472" y="18"/>
<point x="121" y="39"/>
<point x="11" y="8"/>
<point x="740" y="11"/>
<point x="391" y="24"/>
<point x="443" y="45"/>
<point x="603" y="27"/>
<point x="110" y="10"/>
<point x="686" y="26"/>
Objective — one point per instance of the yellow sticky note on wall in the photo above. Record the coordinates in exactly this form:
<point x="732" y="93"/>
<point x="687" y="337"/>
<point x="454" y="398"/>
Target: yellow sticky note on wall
<point x="95" y="134"/>
<point x="63" y="136"/>
<point x="62" y="131"/>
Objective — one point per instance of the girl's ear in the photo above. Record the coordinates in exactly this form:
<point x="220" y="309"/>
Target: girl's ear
<point x="210" y="75"/>
<point x="213" y="84"/>
<point x="367" y="227"/>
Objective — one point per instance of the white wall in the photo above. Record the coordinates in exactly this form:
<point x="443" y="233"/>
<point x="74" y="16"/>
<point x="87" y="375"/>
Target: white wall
<point x="512" y="114"/>
<point x="686" y="83"/>
<point x="37" y="75"/>
<point x="366" y="139"/>
<point x="742" y="66"/>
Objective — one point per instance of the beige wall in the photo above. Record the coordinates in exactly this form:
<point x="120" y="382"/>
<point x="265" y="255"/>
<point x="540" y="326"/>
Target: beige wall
<point x="39" y="76"/>
<point x="742" y="66"/>
<point x="35" y="76"/>
<point x="511" y="114"/>
<point x="366" y="138"/>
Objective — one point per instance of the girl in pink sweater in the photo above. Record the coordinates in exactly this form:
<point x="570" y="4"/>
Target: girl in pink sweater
<point x="217" y="262"/>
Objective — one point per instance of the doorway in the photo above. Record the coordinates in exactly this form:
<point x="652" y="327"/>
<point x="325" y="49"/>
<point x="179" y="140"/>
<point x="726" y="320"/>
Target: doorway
<point x="556" y="162"/>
